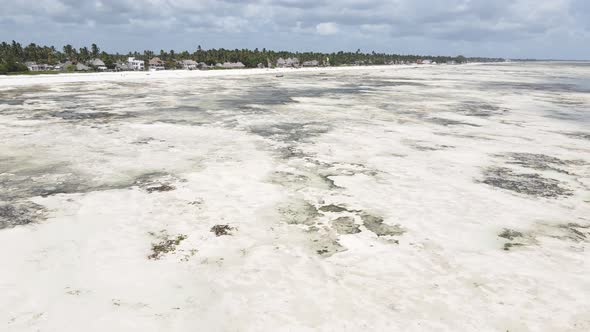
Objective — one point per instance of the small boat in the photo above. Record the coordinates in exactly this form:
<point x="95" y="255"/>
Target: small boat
<point x="280" y="75"/>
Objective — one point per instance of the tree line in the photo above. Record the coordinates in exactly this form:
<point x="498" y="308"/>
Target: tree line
<point x="13" y="55"/>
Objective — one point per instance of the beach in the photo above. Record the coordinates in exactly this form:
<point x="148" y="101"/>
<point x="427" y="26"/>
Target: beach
<point x="384" y="198"/>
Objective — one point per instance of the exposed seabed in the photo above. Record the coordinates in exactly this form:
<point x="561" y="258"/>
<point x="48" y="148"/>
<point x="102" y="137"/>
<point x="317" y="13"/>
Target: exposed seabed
<point x="447" y="198"/>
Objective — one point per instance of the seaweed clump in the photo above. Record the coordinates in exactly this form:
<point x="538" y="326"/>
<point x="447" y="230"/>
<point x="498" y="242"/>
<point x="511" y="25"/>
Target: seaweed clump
<point x="221" y="230"/>
<point x="167" y="244"/>
<point x="510" y="234"/>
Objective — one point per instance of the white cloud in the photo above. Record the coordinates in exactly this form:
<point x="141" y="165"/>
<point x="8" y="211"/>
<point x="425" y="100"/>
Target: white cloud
<point x="327" y="28"/>
<point x="388" y="25"/>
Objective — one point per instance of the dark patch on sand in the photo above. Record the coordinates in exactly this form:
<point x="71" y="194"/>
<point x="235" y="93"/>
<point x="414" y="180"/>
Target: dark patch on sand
<point x="40" y="180"/>
<point x="536" y="161"/>
<point x="160" y="188"/>
<point x="479" y="109"/>
<point x="377" y="82"/>
<point x="155" y="182"/>
<point x="572" y="232"/>
<point x="147" y="140"/>
<point x="508" y="246"/>
<point x="20" y="213"/>
<point x="300" y="213"/>
<point x="449" y="122"/>
<point x="531" y="184"/>
<point x="575" y="232"/>
<point x="377" y="226"/>
<point x="568" y="102"/>
<point x="425" y="146"/>
<point x="332" y="208"/>
<point x="516" y="239"/>
<point x="166" y="244"/>
<point x="222" y="230"/>
<point x="510" y="234"/>
<point x="345" y="225"/>
<point x="289" y="178"/>
<point x="73" y="115"/>
<point x="542" y="87"/>
<point x="19" y="96"/>
<point x="291" y="152"/>
<point x="325" y="242"/>
<point x="21" y="180"/>
<point x="295" y="181"/>
<point x="331" y="184"/>
<point x="572" y="115"/>
<point x="579" y="135"/>
<point x="291" y="131"/>
<point x="266" y="95"/>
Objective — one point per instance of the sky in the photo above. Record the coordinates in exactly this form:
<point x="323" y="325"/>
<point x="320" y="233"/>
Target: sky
<point x="549" y="29"/>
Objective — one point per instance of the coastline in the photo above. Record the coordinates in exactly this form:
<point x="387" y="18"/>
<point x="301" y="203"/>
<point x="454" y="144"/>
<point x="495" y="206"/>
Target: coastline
<point x="21" y="80"/>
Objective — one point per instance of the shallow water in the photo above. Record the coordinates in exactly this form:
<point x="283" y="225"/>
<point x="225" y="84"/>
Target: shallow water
<point x="371" y="198"/>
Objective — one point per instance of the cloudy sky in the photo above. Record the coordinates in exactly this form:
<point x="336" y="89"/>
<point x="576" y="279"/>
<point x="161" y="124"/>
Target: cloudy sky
<point x="505" y="28"/>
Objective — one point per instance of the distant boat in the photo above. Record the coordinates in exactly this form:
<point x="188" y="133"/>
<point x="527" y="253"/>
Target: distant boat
<point x="280" y="75"/>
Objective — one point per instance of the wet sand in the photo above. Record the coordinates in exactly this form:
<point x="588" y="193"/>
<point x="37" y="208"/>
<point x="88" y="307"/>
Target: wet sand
<point x="448" y="198"/>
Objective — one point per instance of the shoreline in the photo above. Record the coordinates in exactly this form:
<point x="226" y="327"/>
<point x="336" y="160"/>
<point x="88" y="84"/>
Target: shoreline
<point x="21" y="80"/>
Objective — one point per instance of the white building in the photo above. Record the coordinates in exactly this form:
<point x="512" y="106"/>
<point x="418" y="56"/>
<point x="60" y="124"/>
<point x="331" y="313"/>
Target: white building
<point x="135" y="64"/>
<point x="33" y="66"/>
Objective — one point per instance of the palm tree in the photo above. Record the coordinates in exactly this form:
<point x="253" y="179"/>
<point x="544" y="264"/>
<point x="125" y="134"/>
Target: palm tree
<point x="94" y="50"/>
<point x="68" y="51"/>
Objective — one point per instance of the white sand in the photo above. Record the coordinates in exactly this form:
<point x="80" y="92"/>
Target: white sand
<point x="12" y="81"/>
<point x="259" y="153"/>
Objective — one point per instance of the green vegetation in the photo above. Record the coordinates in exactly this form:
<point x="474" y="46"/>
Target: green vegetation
<point x="41" y="72"/>
<point x="14" y="54"/>
<point x="10" y="66"/>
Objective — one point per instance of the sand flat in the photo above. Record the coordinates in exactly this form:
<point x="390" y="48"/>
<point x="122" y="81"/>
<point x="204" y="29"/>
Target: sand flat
<point x="395" y="198"/>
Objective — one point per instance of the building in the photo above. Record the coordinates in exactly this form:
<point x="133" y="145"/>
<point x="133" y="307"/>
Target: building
<point x="230" y="65"/>
<point x="33" y="66"/>
<point x="135" y="64"/>
<point x="82" y="67"/>
<point x="97" y="63"/>
<point x="66" y="66"/>
<point x="189" y="64"/>
<point x="312" y="63"/>
<point x="122" y="66"/>
<point x="156" y="64"/>
<point x="286" y="63"/>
